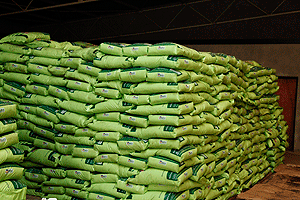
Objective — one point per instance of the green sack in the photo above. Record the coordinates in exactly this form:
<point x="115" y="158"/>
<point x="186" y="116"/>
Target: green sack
<point x="159" y="195"/>
<point x="112" y="48"/>
<point x="48" y="113"/>
<point x="79" y="174"/>
<point x="7" y="125"/>
<point x="113" y="62"/>
<point x="179" y="155"/>
<point x="59" y="92"/>
<point x="76" y="107"/>
<point x="104" y="178"/>
<point x="36" y="68"/>
<point x="165" y="131"/>
<point x="131" y="143"/>
<point x="151" y="88"/>
<point x="166" y="75"/>
<point x="73" y="118"/>
<point x="8" y="140"/>
<point x="67" y="183"/>
<point x="50" y="52"/>
<point x="132" y="188"/>
<point x="57" y="70"/>
<point x="44" y="157"/>
<point x="76" y="193"/>
<point x="137" y="99"/>
<point x="80" y="163"/>
<point x="71" y="62"/>
<point x="48" y="80"/>
<point x="35" y="175"/>
<point x="157" y="176"/>
<point x="87" y="53"/>
<point x="174" y="98"/>
<point x="167" y="164"/>
<point x="85" y="132"/>
<point x="85" y="97"/>
<point x="169" y="48"/>
<point x="55" y="172"/>
<point x="74" y="74"/>
<point x="15" y="67"/>
<point x="36" y="120"/>
<point x="7" y="110"/>
<point x="108" y="136"/>
<point x="44" y="61"/>
<point x="15" y="49"/>
<point x="112" y="105"/>
<point x="135" y="50"/>
<point x="175" y="120"/>
<point x="167" y="109"/>
<point x="89" y="69"/>
<point x="16" y="77"/>
<point x="53" y="189"/>
<point x="37" y="88"/>
<point x="108" y="93"/>
<point x="65" y="149"/>
<point x="65" y="128"/>
<point x="139" y="121"/>
<point x="110" y="157"/>
<point x="26" y="135"/>
<point x="24" y="37"/>
<point x="136" y="74"/>
<point x="110" y="116"/>
<point x="69" y="139"/>
<point x="44" y="143"/>
<point x="109" y="75"/>
<point x="7" y="95"/>
<point x="134" y="162"/>
<point x="108" y="188"/>
<point x="84" y="151"/>
<point x="12" y="57"/>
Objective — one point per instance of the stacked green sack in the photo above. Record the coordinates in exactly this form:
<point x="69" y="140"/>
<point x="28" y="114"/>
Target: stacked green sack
<point x="52" y="98"/>
<point x="10" y="171"/>
<point x="140" y="121"/>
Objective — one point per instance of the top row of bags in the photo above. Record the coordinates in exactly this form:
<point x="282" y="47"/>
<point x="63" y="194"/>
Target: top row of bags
<point x="39" y="39"/>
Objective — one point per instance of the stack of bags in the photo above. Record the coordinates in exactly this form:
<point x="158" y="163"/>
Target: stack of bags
<point x="140" y="121"/>
<point x="10" y="172"/>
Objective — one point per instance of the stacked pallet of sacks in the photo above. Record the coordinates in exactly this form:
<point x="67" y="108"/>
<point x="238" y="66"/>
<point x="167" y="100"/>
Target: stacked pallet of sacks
<point x="10" y="172"/>
<point x="140" y="121"/>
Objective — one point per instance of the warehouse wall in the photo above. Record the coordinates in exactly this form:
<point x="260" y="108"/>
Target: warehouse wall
<point x="285" y="58"/>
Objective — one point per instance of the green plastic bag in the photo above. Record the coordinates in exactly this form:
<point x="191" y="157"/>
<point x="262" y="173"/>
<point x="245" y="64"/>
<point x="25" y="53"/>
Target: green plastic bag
<point x="165" y="131"/>
<point x="12" y="189"/>
<point x="134" y="162"/>
<point x="48" y="80"/>
<point x="35" y="175"/>
<point x="44" y="157"/>
<point x="15" y="67"/>
<point x="157" y="176"/>
<point x="136" y="74"/>
<point x="48" y="113"/>
<point x="109" y="75"/>
<point x="175" y="120"/>
<point x="109" y="116"/>
<point x="151" y="88"/>
<point x="85" y="97"/>
<point x="65" y="149"/>
<point x="55" y="172"/>
<point x="108" y="93"/>
<point x="139" y="121"/>
<point x="16" y="77"/>
<point x="112" y="105"/>
<point x="79" y="174"/>
<point x="113" y="62"/>
<point x="84" y="151"/>
<point x="166" y="75"/>
<point x="112" y="48"/>
<point x="7" y="125"/>
<point x="57" y="70"/>
<point x="44" y="61"/>
<point x="174" y="98"/>
<point x="44" y="143"/>
<point x="89" y="69"/>
<point x="50" y="52"/>
<point x="15" y="49"/>
<point x="59" y="92"/>
<point x="108" y="188"/>
<point x="37" y="88"/>
<point x="76" y="107"/>
<point x="65" y="128"/>
<point x="12" y="57"/>
<point x="167" y="109"/>
<point x="36" y="68"/>
<point x="36" y="120"/>
<point x="135" y="50"/>
<point x="74" y="74"/>
<point x="24" y="37"/>
<point x="80" y="163"/>
<point x="73" y="118"/>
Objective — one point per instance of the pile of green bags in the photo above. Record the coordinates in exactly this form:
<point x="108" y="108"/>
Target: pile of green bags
<point x="10" y="155"/>
<point x="140" y="121"/>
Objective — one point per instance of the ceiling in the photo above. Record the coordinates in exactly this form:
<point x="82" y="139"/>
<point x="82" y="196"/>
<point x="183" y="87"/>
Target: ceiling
<point x="185" y="21"/>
